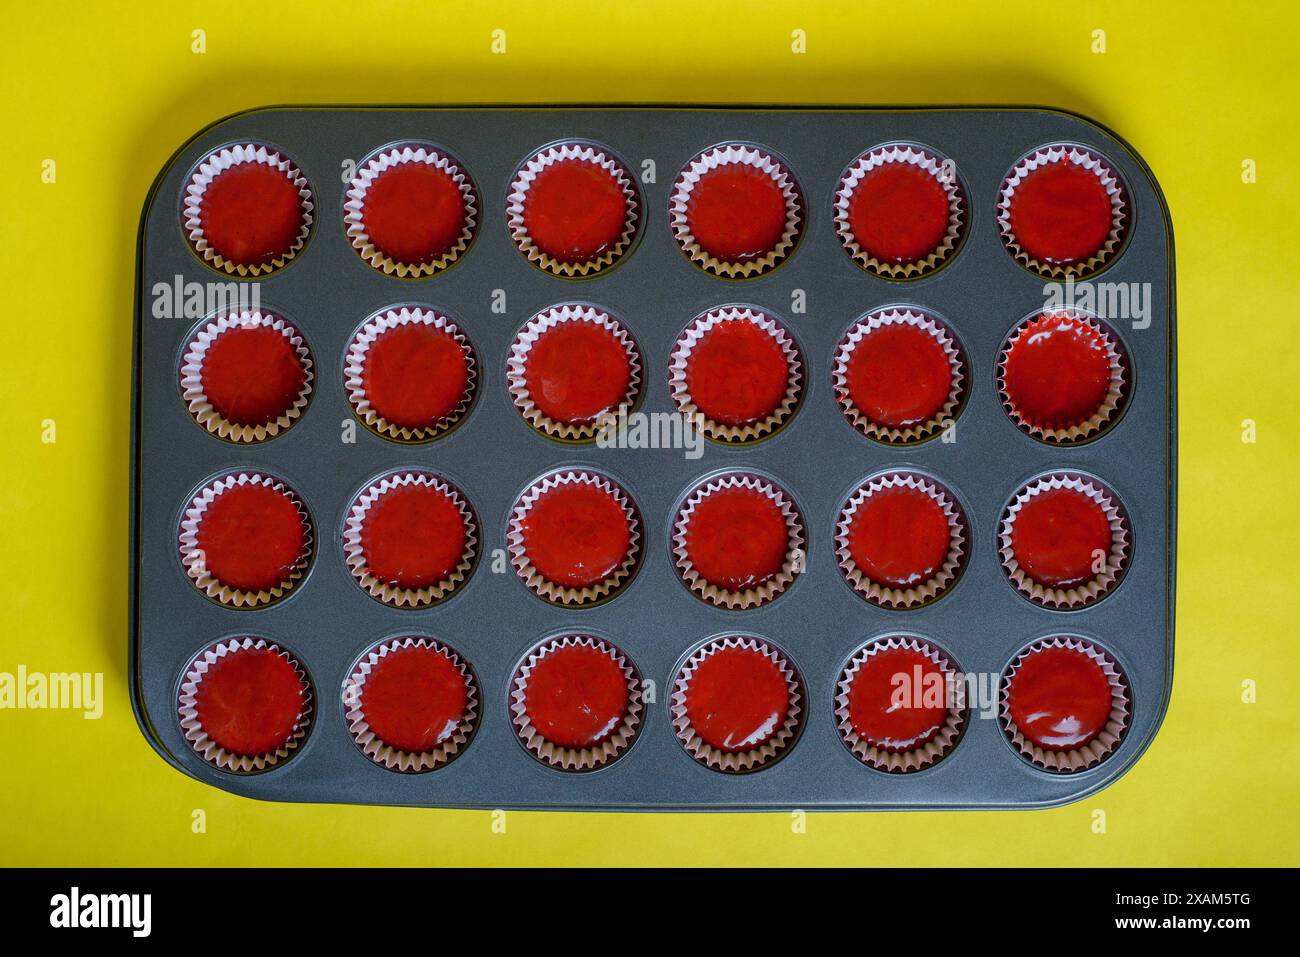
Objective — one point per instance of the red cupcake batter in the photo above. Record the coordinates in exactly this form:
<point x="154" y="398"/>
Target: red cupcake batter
<point x="577" y="371"/>
<point x="575" y="211"/>
<point x="737" y="373"/>
<point x="1061" y="213"/>
<point x="414" y="699"/>
<point x="736" y="213"/>
<point x="899" y="537"/>
<point x="1058" y="536"/>
<point x="576" y="535"/>
<point x="413" y="536"/>
<point x="415" y="375"/>
<point x="413" y="213"/>
<point x="1060" y="698"/>
<point x="249" y="701"/>
<point x="737" y="538"/>
<point x="252" y="537"/>
<point x="576" y="697"/>
<point x="251" y="214"/>
<point x="899" y="213"/>
<point x="1058" y="372"/>
<point x="737" y="699"/>
<point x="874" y="711"/>
<point x="252" y="375"/>
<point x="898" y="376"/>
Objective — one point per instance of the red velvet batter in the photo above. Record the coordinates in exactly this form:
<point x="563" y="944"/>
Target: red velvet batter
<point x="575" y="211"/>
<point x="1056" y="537"/>
<point x="414" y="699"/>
<point x="1060" y="699"/>
<point x="899" y="376"/>
<point x="1061" y="213"/>
<point x="737" y="538"/>
<point x="251" y="214"/>
<point x="576" y="535"/>
<point x="576" y="696"/>
<point x="899" y="537"/>
<point x="413" y="212"/>
<point x="736" y="213"/>
<point x="413" y="536"/>
<point x="577" y="371"/>
<point x="876" y="717"/>
<point x="737" y="373"/>
<point x="899" y="213"/>
<point x="252" y="375"/>
<point x="415" y="375"/>
<point x="737" y="699"/>
<point x="249" y="701"/>
<point x="1058" y="372"/>
<point x="251" y="537"/>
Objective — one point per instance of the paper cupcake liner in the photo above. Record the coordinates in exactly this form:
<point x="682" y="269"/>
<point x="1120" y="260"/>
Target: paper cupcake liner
<point x="898" y="317"/>
<point x="523" y="181"/>
<point x="355" y="557"/>
<point x="1106" y="412"/>
<point x="193" y="559"/>
<point x="576" y="759"/>
<point x="1096" y="750"/>
<point x="897" y="762"/>
<point x="736" y="154"/>
<point x="516" y="370"/>
<point x="1118" y="204"/>
<point x="386" y="755"/>
<point x="922" y="160"/>
<point x="355" y="364"/>
<point x="943" y="579"/>
<point x="749" y="597"/>
<point x="1116" y="561"/>
<point x="196" y="400"/>
<point x="209" y="750"/>
<point x="562" y="594"/>
<point x="371" y="170"/>
<point x="735" y="762"/>
<point x="212" y="167"/>
<point x="681" y="394"/>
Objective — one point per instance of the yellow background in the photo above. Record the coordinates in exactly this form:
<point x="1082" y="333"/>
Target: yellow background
<point x="109" y="92"/>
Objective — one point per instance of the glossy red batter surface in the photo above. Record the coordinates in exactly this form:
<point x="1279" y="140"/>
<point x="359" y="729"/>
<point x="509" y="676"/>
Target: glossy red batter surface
<point x="1060" y="699"/>
<point x="737" y="373"/>
<point x="576" y="535"/>
<point x="252" y="375"/>
<point x="736" y="213"/>
<point x="576" y="697"/>
<point x="1059" y="537"/>
<point x="414" y="699"/>
<point x="737" y="699"/>
<point x="415" y="375"/>
<point x="898" y="376"/>
<point x="737" y="539"/>
<point x="575" y="211"/>
<point x="249" y="701"/>
<point x="1061" y="213"/>
<point x="252" y="537"/>
<point x="899" y="213"/>
<point x="413" y="536"/>
<point x="251" y="214"/>
<point x="577" y="371"/>
<point x="890" y="700"/>
<point x="1058" y="372"/>
<point x="413" y="213"/>
<point x="899" y="537"/>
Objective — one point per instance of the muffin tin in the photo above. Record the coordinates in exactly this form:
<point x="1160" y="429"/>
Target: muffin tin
<point x="716" y="669"/>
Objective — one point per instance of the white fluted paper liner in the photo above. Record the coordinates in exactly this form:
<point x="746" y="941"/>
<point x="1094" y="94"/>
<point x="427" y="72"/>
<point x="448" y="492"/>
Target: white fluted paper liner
<point x="517" y="368"/>
<point x="187" y="709"/>
<point x="203" y="177"/>
<point x="790" y="569"/>
<point x="1096" y="587"/>
<point x="681" y="358"/>
<point x="922" y="160"/>
<point x="898" y="762"/>
<point x="735" y="154"/>
<point x="915" y="595"/>
<point x="355" y="556"/>
<point x="1109" y="181"/>
<point x="576" y="759"/>
<point x="354" y="369"/>
<point x="528" y="573"/>
<point x="735" y="761"/>
<point x="898" y="317"/>
<point x="195" y="562"/>
<point x="385" y="754"/>
<point x="375" y="167"/>
<point x="196" y="400"/>
<point x="1107" y="740"/>
<point x="1114" y="394"/>
<point x="518" y="195"/>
